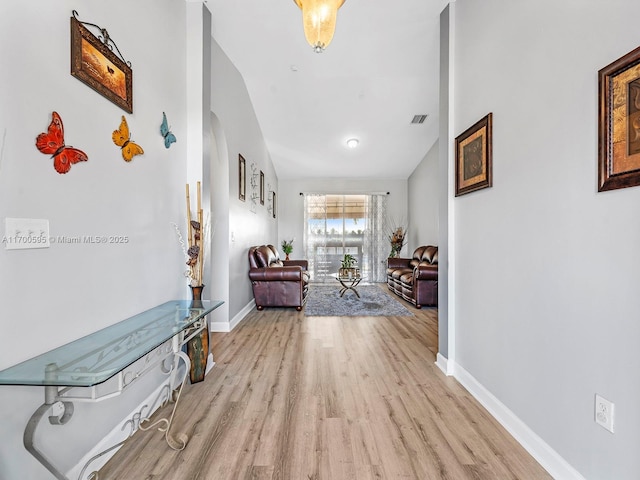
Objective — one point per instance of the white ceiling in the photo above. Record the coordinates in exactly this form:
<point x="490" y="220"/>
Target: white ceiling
<point x="380" y="70"/>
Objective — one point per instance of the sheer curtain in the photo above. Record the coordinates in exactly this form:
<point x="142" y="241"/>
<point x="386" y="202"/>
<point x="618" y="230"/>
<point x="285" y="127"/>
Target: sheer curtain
<point x="376" y="244"/>
<point x="339" y="224"/>
<point x="315" y="238"/>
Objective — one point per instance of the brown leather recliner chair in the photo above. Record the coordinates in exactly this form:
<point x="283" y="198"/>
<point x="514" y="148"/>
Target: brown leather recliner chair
<point x="415" y="279"/>
<point x="277" y="283"/>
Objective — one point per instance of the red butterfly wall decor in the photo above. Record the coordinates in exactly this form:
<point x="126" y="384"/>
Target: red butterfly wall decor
<point x="52" y="143"/>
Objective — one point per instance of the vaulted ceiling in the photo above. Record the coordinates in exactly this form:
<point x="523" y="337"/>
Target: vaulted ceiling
<point x="378" y="73"/>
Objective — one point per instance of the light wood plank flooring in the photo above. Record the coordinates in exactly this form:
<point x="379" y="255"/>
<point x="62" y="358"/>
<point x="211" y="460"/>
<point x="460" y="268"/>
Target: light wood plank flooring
<point x="311" y="398"/>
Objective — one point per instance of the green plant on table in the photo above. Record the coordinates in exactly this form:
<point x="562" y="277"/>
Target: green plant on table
<point x="348" y="261"/>
<point x="287" y="247"/>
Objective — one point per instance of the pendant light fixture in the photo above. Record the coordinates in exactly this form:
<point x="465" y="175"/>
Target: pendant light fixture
<point x="319" y="20"/>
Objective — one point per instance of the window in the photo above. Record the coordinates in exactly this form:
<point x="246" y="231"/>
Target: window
<point x="339" y="224"/>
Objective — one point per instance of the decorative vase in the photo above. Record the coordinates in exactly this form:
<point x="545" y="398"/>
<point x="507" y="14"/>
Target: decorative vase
<point x="196" y="295"/>
<point x="286" y="256"/>
<point x="349" y="272"/>
<point x="198" y="346"/>
<point x="395" y="250"/>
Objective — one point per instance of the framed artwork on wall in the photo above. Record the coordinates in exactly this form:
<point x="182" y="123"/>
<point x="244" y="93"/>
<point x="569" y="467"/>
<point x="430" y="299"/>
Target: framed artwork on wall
<point x="242" y="177"/>
<point x="619" y="123"/>
<point x="474" y="168"/>
<point x="94" y="63"/>
<point x="261" y="187"/>
<point x="273" y="203"/>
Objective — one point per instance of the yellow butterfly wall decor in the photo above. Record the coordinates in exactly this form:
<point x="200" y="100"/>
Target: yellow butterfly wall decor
<point x="122" y="138"/>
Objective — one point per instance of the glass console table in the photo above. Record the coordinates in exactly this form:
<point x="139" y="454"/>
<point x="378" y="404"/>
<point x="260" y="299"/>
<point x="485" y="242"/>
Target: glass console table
<point x="101" y="365"/>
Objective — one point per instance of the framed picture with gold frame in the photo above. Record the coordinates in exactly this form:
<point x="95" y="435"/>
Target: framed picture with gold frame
<point x="474" y="162"/>
<point x="95" y="64"/>
<point x="619" y="123"/>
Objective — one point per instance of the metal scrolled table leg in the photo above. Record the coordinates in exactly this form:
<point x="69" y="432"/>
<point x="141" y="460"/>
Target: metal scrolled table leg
<point x="164" y="424"/>
<point x="30" y="430"/>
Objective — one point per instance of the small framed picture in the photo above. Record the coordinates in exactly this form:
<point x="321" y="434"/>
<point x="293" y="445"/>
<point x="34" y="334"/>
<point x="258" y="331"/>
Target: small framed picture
<point x="261" y="187"/>
<point x="619" y="123"/>
<point x="274" y="203"/>
<point x="242" y="178"/>
<point x="474" y="157"/>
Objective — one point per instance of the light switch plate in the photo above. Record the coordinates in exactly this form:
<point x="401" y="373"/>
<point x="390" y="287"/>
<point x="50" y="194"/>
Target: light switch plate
<point x="24" y="233"/>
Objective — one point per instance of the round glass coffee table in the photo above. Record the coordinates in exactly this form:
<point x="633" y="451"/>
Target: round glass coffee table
<point x="348" y="283"/>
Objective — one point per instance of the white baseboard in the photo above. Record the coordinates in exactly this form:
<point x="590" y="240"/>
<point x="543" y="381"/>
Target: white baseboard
<point x="233" y="323"/>
<point x="210" y="364"/>
<point x="550" y="460"/>
<point x="248" y="308"/>
<point x="119" y="433"/>
<point x="443" y="364"/>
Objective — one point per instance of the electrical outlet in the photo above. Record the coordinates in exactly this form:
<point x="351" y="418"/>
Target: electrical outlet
<point x="604" y="413"/>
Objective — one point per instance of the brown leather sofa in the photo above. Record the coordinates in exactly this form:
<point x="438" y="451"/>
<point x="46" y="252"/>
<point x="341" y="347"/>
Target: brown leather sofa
<point x="415" y="279"/>
<point x="275" y="282"/>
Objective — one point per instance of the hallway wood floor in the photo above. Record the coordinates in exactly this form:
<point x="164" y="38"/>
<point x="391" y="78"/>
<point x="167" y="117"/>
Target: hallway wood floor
<point x="313" y="398"/>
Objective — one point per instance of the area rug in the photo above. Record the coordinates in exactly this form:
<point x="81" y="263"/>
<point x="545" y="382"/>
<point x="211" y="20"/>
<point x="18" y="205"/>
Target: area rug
<point x="325" y="301"/>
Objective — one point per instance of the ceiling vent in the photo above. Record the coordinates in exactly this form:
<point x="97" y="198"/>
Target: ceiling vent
<point x="417" y="119"/>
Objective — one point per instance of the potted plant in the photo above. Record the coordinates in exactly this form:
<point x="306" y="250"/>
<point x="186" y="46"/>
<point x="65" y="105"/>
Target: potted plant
<point x="287" y="247"/>
<point x="347" y="266"/>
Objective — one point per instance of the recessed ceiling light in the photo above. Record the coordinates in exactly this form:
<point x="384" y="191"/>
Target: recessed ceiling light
<point x="353" y="142"/>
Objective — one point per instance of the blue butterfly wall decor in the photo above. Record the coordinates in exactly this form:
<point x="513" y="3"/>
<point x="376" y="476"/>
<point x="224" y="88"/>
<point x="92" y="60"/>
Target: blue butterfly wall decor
<point x="169" y="137"/>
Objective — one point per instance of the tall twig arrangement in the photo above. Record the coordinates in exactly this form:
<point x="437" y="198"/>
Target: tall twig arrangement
<point x="397" y="238"/>
<point x="195" y="252"/>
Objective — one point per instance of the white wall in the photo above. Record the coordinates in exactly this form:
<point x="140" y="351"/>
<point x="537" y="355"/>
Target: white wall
<point x="291" y="203"/>
<point x="238" y="129"/>
<point x="547" y="268"/>
<point x="56" y="295"/>
<point x="423" y="202"/>
<point x="446" y="212"/>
